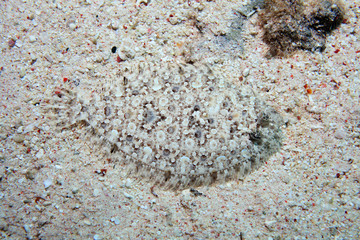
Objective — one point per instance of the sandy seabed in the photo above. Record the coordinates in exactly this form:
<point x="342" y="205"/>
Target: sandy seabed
<point x="55" y="185"/>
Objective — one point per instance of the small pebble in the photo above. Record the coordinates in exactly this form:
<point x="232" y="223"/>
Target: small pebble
<point x="18" y="138"/>
<point x="114" y="25"/>
<point x="40" y="153"/>
<point x="29" y="128"/>
<point x="20" y="129"/>
<point x="47" y="203"/>
<point x="101" y="179"/>
<point x="270" y="224"/>
<point x="49" y="58"/>
<point x="340" y="134"/>
<point x="31" y="16"/>
<point x="72" y="26"/>
<point x="128" y="183"/>
<point x="27" y="228"/>
<point x="356" y="204"/>
<point x="87" y="221"/>
<point x="77" y="206"/>
<point x="39" y="208"/>
<point x="47" y="183"/>
<point x="116" y="221"/>
<point x="34" y="139"/>
<point x="250" y="208"/>
<point x="128" y="195"/>
<point x="30" y="174"/>
<point x="75" y="190"/>
<point x="96" y="192"/>
<point x="246" y="72"/>
<point x="19" y="43"/>
<point x="22" y="72"/>
<point x="315" y="109"/>
<point x="97" y="237"/>
<point x="186" y="196"/>
<point x="32" y="38"/>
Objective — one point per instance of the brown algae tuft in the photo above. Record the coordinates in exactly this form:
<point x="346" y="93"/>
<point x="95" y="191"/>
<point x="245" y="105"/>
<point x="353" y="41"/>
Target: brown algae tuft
<point x="290" y="25"/>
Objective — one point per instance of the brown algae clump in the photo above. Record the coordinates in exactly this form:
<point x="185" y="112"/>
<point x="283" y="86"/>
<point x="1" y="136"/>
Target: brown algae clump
<point x="290" y="25"/>
<point x="178" y="126"/>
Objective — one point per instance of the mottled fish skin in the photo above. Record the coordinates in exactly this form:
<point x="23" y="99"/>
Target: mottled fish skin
<point x="176" y="125"/>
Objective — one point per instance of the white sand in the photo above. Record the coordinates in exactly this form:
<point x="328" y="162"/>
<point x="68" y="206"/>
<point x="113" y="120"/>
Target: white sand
<point x="51" y="181"/>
